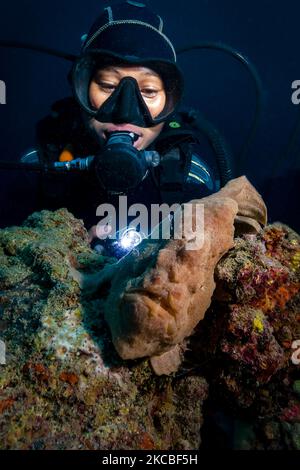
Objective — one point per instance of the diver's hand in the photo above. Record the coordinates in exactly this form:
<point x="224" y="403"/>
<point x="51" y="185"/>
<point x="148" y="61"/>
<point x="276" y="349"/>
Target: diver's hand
<point x="97" y="231"/>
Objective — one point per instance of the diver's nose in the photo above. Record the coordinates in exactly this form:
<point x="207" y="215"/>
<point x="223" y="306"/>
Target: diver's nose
<point x="126" y="108"/>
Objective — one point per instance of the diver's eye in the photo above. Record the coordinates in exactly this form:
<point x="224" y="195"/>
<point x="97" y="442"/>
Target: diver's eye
<point x="149" y="92"/>
<point x="106" y="87"/>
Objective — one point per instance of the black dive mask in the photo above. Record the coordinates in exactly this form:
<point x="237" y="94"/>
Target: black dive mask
<point x="126" y="105"/>
<point x="120" y="167"/>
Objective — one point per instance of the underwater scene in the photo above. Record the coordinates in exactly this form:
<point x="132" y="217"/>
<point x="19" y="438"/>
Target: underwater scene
<point x="149" y="228"/>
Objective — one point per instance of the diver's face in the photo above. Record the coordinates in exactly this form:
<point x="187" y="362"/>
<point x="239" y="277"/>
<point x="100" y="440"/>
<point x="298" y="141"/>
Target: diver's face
<point x="104" y="83"/>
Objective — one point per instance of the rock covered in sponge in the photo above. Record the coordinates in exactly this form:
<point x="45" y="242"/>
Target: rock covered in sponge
<point x="63" y="385"/>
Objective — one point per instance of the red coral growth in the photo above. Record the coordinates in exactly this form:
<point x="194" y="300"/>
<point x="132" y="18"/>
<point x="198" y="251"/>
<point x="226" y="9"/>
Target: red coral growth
<point x="69" y="377"/>
<point x="278" y="296"/>
<point x="279" y="244"/>
<point x="38" y="370"/>
<point x="254" y="349"/>
<point x="146" y="442"/>
<point x="7" y="403"/>
<point x="267" y="287"/>
<point x="285" y="293"/>
<point x="273" y="237"/>
<point x="292" y="413"/>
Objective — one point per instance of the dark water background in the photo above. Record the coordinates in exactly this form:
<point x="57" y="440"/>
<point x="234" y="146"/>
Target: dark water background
<point x="265" y="31"/>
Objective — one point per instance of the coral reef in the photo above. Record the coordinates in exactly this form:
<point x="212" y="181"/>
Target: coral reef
<point x="248" y="344"/>
<point x="63" y="385"/>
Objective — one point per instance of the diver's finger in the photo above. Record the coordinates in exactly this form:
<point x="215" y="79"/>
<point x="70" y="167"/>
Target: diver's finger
<point x="98" y="231"/>
<point x="92" y="233"/>
<point x="103" y="230"/>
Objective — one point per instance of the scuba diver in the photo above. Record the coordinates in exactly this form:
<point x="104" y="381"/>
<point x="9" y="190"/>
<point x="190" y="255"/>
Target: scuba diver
<point x="124" y="131"/>
<point x="124" y="122"/>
